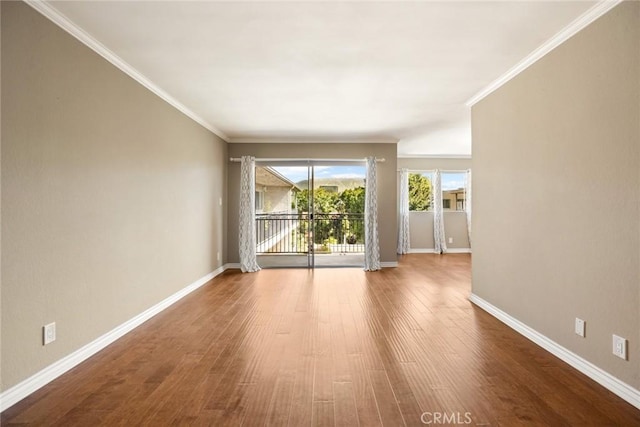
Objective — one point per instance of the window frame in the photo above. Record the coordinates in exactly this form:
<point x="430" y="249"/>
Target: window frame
<point x="424" y="172"/>
<point x="430" y="173"/>
<point x="463" y="172"/>
<point x="259" y="201"/>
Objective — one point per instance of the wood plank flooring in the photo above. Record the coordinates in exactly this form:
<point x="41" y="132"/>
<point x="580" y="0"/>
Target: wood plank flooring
<point x="327" y="347"/>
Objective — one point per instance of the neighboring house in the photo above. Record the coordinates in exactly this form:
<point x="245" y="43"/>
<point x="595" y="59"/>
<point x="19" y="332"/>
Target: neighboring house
<point x="274" y="192"/>
<point x="275" y="198"/>
<point x="453" y="200"/>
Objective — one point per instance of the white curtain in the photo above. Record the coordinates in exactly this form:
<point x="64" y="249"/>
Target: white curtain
<point x="440" y="245"/>
<point x="403" y="231"/>
<point x="371" y="244"/>
<point x="468" y="204"/>
<point x="248" y="261"/>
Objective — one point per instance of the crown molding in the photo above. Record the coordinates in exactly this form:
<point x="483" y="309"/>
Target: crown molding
<point x="241" y="140"/>
<point x="66" y="24"/>
<point x="434" y="156"/>
<point x="569" y="31"/>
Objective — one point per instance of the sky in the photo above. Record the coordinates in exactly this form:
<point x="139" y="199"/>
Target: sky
<point x="453" y="181"/>
<point x="299" y="173"/>
<point x="450" y="181"/>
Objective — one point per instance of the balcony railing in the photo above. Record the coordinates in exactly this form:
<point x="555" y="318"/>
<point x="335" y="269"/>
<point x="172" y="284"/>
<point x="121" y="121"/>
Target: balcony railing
<point x="299" y="233"/>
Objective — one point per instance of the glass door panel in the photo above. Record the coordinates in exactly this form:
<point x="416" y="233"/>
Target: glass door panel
<point x="338" y="216"/>
<point x="282" y="216"/>
<point x="310" y="216"/>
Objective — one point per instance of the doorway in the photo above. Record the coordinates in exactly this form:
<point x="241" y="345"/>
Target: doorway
<point x="310" y="216"/>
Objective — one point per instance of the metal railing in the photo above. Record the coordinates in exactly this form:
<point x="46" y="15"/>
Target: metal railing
<point x="299" y="233"/>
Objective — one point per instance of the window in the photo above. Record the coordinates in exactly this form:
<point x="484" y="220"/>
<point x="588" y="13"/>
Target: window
<point x="453" y="185"/>
<point x="453" y="191"/>
<point x="420" y="194"/>
<point x="259" y="201"/>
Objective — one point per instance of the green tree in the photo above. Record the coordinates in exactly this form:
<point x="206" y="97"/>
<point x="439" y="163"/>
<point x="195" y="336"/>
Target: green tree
<point x="419" y="192"/>
<point x="325" y="201"/>
<point x="346" y="209"/>
<point x="353" y="199"/>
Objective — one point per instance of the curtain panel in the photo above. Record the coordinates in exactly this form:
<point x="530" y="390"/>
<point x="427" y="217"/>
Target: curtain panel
<point x="371" y="244"/>
<point x="403" y="231"/>
<point x="247" y="232"/>
<point x="440" y="245"/>
<point x="468" y="204"/>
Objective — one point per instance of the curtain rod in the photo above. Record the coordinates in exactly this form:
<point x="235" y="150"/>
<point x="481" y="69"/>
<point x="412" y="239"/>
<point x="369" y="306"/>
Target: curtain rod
<point x="432" y="170"/>
<point x="238" y="159"/>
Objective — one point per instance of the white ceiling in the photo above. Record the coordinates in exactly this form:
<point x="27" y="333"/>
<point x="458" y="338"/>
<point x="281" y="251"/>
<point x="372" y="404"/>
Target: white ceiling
<point x="327" y="71"/>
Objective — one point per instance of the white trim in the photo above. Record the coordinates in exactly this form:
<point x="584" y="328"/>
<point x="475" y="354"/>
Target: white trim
<point x="421" y="250"/>
<point x="569" y="31"/>
<point x="23" y="389"/>
<point x="458" y="250"/>
<point x="309" y="140"/>
<point x="449" y="251"/>
<point x="70" y="27"/>
<point x="232" y="266"/>
<point x="434" y="156"/>
<point x="613" y="384"/>
<point x="389" y="264"/>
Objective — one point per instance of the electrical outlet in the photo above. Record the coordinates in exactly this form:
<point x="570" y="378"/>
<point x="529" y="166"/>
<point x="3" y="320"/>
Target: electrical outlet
<point x="220" y="201"/>
<point x="580" y="326"/>
<point x="450" y="239"/>
<point x="218" y="255"/>
<point x="49" y="333"/>
<point x="620" y="347"/>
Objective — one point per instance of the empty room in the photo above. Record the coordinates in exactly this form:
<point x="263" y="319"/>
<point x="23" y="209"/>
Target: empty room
<point x="327" y="213"/>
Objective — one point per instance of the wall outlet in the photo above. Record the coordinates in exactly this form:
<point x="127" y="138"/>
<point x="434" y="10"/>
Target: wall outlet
<point x="220" y="201"/>
<point x="450" y="239"/>
<point x="580" y="326"/>
<point x="620" y="347"/>
<point x="218" y="255"/>
<point x="49" y="333"/>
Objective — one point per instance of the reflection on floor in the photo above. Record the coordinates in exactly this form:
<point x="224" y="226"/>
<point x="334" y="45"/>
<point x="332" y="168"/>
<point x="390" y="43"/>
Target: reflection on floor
<point x="321" y="260"/>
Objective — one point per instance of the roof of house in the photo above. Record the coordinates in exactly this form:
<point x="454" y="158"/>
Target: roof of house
<point x="269" y="177"/>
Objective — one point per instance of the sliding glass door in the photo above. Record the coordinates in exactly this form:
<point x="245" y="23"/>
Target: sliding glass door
<point x="338" y="215"/>
<point x="282" y="231"/>
<point x="310" y="216"/>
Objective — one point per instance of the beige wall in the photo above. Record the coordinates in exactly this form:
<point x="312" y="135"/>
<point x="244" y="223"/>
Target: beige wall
<point x="387" y="187"/>
<point x="109" y="195"/>
<point x="421" y="230"/>
<point x="421" y="223"/>
<point x="566" y="129"/>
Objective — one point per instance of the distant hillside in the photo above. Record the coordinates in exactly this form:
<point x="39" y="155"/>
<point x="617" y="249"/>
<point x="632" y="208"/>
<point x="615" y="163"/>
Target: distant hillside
<point x="341" y="183"/>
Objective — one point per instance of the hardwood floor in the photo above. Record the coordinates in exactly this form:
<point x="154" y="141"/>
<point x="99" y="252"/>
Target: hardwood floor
<point x="327" y="347"/>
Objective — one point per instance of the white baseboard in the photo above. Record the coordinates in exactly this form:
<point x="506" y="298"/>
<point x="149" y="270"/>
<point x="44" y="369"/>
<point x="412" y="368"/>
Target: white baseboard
<point x="421" y="251"/>
<point x="232" y="266"/>
<point x="613" y="384"/>
<point x="459" y="250"/>
<point x="23" y="389"/>
<point x="431" y="250"/>
<point x="389" y="264"/>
